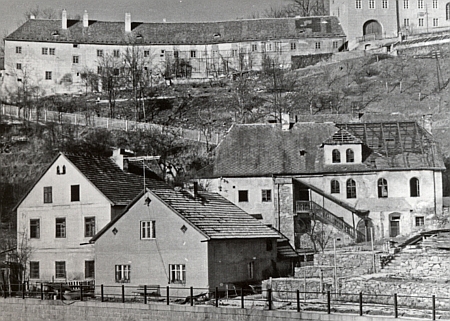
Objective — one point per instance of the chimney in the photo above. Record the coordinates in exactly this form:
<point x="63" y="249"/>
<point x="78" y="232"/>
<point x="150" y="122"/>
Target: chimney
<point x="285" y="122"/>
<point x="127" y="22"/>
<point x="85" y="19"/>
<point x="64" y="19"/>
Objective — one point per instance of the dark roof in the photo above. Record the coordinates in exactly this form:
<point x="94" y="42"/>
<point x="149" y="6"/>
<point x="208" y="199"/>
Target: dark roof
<point x="210" y="213"/>
<point x="265" y="149"/>
<point x="102" y="32"/>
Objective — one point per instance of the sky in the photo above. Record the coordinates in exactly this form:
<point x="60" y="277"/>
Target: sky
<point x="141" y="10"/>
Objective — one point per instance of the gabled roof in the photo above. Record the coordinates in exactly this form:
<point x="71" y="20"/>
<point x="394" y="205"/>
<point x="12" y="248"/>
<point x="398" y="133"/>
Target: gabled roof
<point x="103" y="32"/>
<point x="342" y="136"/>
<point x="119" y="187"/>
<point x="265" y="149"/>
<point x="210" y="213"/>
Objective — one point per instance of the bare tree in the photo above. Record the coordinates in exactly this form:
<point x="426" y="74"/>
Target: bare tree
<point x="112" y="81"/>
<point x="38" y="13"/>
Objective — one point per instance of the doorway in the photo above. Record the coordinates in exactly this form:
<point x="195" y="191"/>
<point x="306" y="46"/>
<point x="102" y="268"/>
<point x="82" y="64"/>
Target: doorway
<point x="394" y="224"/>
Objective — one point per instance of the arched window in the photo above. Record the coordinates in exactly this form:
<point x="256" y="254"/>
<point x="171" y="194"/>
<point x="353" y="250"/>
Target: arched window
<point x="335" y="188"/>
<point x="350" y="156"/>
<point x="382" y="188"/>
<point x="57" y="170"/>
<point x="414" y="187"/>
<point x="64" y="169"/>
<point x="447" y="11"/>
<point x="351" y="189"/>
<point x="336" y="156"/>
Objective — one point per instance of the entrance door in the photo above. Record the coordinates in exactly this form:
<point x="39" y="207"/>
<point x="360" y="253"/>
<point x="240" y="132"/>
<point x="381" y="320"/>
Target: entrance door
<point x="394" y="223"/>
<point x="372" y="27"/>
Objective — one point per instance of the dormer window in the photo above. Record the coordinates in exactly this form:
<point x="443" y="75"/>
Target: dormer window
<point x="336" y="156"/>
<point x="350" y="156"/>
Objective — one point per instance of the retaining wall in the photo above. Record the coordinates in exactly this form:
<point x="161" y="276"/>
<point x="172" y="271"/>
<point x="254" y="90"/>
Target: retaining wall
<point x="36" y="310"/>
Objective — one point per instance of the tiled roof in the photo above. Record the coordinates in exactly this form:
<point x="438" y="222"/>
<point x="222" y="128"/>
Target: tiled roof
<point x="102" y="32"/>
<point x="210" y="213"/>
<point x="118" y="186"/>
<point x="265" y="149"/>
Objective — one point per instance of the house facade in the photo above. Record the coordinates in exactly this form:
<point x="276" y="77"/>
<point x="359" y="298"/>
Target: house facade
<point x="55" y="56"/>
<point x="173" y="238"/>
<point x="72" y="200"/>
<point x="363" y="180"/>
<point x="377" y="19"/>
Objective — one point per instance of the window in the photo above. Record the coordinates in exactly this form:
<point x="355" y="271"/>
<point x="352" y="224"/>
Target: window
<point x="405" y="4"/>
<point x="146" y="53"/>
<point x="75" y="45"/>
<point x="163" y="53"/>
<point x="335" y="44"/>
<point x="89" y="226"/>
<point x="74" y="193"/>
<point x="251" y="270"/>
<point x="371" y="4"/>
<point x="116" y="53"/>
<point x="351" y="189"/>
<point x="123" y="273"/>
<point x="35" y="228"/>
<point x="45" y="51"/>
<point x="435" y="22"/>
<point x="116" y="72"/>
<point x="148" y="230"/>
<point x="51" y="51"/>
<point x="34" y="270"/>
<point x="61" y="227"/>
<point x="18" y="50"/>
<point x="349" y="156"/>
<point x="384" y="4"/>
<point x="263" y="46"/>
<point x="435" y="4"/>
<point x="99" y="70"/>
<point x="75" y="59"/>
<point x="335" y="187"/>
<point x="382" y="188"/>
<point x="89" y="269"/>
<point x="414" y="187"/>
<point x="420" y="221"/>
<point x="234" y="53"/>
<point x="266" y="195"/>
<point x="336" y="156"/>
<point x="406" y="22"/>
<point x="177" y="273"/>
<point x="420" y="22"/>
<point x="419" y="4"/>
<point x="99" y="53"/>
<point x="47" y="194"/>
<point x="176" y="54"/>
<point x="242" y="196"/>
<point x="317" y="45"/>
<point x="447" y="11"/>
<point x="254" y="47"/>
<point x="193" y="53"/>
<point x="293" y="46"/>
<point x="358" y="4"/>
<point x="48" y="75"/>
<point x="19" y="66"/>
<point x="60" y="270"/>
<point x="278" y="47"/>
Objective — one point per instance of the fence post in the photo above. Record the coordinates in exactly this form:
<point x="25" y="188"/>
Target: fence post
<point x="101" y="292"/>
<point x="269" y="293"/>
<point x="360" y="304"/>
<point x="42" y="291"/>
<point x="395" y="306"/>
<point x="81" y="292"/>
<point x="167" y="295"/>
<point x="433" y="303"/>
<point x="242" y="297"/>
<point x="217" y="296"/>
<point x="298" y="300"/>
<point x="145" y="294"/>
<point x="192" y="296"/>
<point x="328" y="302"/>
<point x="123" y="293"/>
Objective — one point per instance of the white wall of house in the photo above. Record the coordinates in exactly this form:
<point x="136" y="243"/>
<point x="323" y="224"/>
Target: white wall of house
<point x="47" y="248"/>
<point x="175" y="242"/>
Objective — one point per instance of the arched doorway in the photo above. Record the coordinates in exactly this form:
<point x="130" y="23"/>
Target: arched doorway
<point x="372" y="27"/>
<point x="394" y="224"/>
<point x="365" y="227"/>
